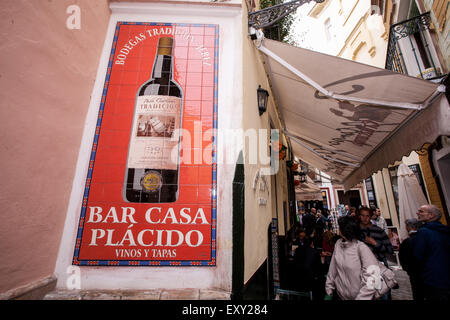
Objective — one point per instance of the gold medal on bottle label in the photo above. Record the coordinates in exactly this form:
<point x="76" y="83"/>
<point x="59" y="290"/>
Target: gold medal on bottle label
<point x="152" y="181"/>
<point x="155" y="133"/>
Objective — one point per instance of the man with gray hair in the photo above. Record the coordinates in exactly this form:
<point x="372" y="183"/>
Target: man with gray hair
<point x="431" y="250"/>
<point x="407" y="261"/>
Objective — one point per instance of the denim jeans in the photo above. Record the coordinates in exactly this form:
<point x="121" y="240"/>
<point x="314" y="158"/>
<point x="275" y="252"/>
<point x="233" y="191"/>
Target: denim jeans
<point x="387" y="296"/>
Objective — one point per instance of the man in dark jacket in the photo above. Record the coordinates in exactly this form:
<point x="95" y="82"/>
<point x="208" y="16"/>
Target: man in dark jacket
<point x="374" y="237"/>
<point x="309" y="222"/>
<point x="407" y="261"/>
<point x="308" y="269"/>
<point x="432" y="251"/>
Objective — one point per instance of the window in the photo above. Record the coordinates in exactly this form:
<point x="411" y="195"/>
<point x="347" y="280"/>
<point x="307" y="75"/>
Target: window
<point x="351" y="197"/>
<point x="380" y="4"/>
<point x="317" y="176"/>
<point x="328" y="27"/>
<point x="324" y="200"/>
<point x="371" y="192"/>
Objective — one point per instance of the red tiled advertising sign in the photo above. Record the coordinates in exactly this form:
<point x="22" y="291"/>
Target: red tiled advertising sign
<point x="150" y="192"/>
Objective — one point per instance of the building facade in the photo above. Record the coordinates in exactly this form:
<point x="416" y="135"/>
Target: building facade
<point x="364" y="31"/>
<point x="416" y="32"/>
<point x="94" y="231"/>
<point x="152" y="164"/>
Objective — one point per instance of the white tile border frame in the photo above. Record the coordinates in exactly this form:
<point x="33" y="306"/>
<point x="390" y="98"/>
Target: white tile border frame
<point x="229" y="20"/>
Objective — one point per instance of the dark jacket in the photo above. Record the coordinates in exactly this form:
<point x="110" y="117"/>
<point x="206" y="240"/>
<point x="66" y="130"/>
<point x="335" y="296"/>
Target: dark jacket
<point x="307" y="267"/>
<point x="293" y="233"/>
<point x="320" y="224"/>
<point x="406" y="257"/>
<point x="432" y="251"/>
<point x="309" y="223"/>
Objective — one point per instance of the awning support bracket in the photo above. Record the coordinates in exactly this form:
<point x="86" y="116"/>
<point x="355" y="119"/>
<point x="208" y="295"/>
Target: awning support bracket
<point x="268" y="16"/>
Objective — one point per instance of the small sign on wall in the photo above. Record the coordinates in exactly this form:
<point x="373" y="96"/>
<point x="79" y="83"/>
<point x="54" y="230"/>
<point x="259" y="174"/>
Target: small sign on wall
<point x="150" y="192"/>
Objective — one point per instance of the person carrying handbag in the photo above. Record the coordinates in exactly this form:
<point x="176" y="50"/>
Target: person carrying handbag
<point x="355" y="273"/>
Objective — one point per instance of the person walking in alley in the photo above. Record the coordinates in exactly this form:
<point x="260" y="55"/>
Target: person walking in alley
<point x="431" y="249"/>
<point x="333" y="217"/>
<point x="375" y="238"/>
<point x="319" y="228"/>
<point x="300" y="215"/>
<point x="378" y="220"/>
<point x="348" y="274"/>
<point x="307" y="265"/>
<point x="407" y="261"/>
<point x="309" y="222"/>
<point x="346" y="210"/>
<point x="327" y="249"/>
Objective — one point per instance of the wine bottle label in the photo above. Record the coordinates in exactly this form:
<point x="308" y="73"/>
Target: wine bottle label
<point x="155" y="133"/>
<point x="152" y="181"/>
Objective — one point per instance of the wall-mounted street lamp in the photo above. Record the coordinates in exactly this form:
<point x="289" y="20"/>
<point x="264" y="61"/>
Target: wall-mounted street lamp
<point x="302" y="176"/>
<point x="262" y="100"/>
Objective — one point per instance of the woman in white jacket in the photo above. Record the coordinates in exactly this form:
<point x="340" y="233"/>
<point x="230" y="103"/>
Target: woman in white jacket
<point x="351" y="270"/>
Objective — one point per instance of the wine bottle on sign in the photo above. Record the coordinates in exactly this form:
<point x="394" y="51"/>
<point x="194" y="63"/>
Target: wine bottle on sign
<point x="152" y="172"/>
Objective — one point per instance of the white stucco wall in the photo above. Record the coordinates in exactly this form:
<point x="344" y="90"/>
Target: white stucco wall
<point x="257" y="217"/>
<point x="345" y="29"/>
<point x="229" y="116"/>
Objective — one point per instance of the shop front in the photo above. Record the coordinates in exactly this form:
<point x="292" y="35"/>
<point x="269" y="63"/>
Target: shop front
<point x="147" y="207"/>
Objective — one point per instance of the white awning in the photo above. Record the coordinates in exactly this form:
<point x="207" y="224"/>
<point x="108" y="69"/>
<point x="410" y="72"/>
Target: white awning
<point x="309" y="196"/>
<point x="308" y="191"/>
<point x="308" y="186"/>
<point x="349" y="119"/>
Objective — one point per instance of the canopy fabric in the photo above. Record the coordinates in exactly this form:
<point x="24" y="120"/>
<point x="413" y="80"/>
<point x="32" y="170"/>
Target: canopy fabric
<point x="346" y="138"/>
<point x="410" y="197"/>
<point x="308" y="191"/>
<point x="309" y="196"/>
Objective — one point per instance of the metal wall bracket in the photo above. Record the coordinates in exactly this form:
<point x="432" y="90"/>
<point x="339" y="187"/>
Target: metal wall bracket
<point x="268" y="16"/>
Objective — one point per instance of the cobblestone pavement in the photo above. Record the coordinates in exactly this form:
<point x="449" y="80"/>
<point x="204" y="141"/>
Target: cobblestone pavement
<point x="175" y="294"/>
<point x="404" y="292"/>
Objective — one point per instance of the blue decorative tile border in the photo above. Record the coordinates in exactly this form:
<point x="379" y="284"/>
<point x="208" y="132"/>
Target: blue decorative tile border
<point x="211" y="262"/>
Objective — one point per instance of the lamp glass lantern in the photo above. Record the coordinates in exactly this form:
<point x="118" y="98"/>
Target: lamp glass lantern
<point x="262" y="100"/>
<point x="302" y="177"/>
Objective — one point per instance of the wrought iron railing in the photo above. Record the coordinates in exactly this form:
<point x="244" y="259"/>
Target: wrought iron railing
<point x="268" y="16"/>
<point x="414" y="30"/>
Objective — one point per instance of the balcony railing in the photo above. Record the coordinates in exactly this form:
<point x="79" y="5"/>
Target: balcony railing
<point x="409" y="50"/>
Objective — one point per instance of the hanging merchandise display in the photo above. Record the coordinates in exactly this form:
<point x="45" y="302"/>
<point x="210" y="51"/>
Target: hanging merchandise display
<point x="282" y="151"/>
